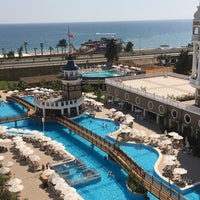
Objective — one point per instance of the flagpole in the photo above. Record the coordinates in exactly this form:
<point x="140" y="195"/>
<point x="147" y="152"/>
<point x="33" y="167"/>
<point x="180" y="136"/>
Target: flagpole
<point x="69" y="42"/>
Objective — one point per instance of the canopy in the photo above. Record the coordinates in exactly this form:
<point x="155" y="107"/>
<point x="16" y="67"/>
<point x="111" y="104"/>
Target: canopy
<point x="16" y="188"/>
<point x="180" y="171"/>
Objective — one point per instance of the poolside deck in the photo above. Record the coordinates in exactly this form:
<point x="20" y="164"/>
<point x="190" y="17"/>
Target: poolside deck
<point x="187" y="161"/>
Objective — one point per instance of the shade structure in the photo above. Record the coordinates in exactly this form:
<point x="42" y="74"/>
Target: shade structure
<point x="113" y="110"/>
<point x="48" y="172"/>
<point x="34" y="158"/>
<point x="180" y="171"/>
<point x="4" y="170"/>
<point x="169" y="162"/>
<point x="173" y="134"/>
<point x="119" y="114"/>
<point x="178" y="137"/>
<point x="6" y="140"/>
<point x="14" y="181"/>
<point x="16" y="188"/>
<point x="166" y="142"/>
<point x="169" y="158"/>
<point x="2" y="158"/>
<point x="8" y="164"/>
<point x="154" y="136"/>
<point x="57" y="180"/>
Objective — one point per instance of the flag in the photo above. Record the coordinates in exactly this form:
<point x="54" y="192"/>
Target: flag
<point x="70" y="35"/>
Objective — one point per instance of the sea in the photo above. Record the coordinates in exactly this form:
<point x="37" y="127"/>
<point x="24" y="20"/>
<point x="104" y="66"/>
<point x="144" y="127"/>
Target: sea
<point x="143" y="34"/>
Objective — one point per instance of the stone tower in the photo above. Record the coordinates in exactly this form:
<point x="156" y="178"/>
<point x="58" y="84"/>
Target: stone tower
<point x="195" y="77"/>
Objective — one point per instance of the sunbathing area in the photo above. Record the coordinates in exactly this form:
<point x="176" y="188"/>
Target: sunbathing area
<point x="163" y="86"/>
<point x="27" y="161"/>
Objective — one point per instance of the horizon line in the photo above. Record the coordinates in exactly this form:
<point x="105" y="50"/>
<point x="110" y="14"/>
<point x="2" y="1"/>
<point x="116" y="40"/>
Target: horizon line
<point x="11" y="23"/>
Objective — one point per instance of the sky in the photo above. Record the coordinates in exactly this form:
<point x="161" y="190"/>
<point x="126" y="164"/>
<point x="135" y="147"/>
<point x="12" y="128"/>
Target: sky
<point x="47" y="11"/>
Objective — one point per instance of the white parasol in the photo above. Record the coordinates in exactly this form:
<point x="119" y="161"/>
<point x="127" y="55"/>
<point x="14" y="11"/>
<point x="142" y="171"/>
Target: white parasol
<point x="173" y="134"/>
<point x="178" y="137"/>
<point x="4" y="170"/>
<point x="2" y="158"/>
<point x="48" y="172"/>
<point x="119" y="114"/>
<point x="113" y="110"/>
<point x="14" y="181"/>
<point x="57" y="180"/>
<point x="166" y="142"/>
<point x="169" y="162"/>
<point x="16" y="188"/>
<point x="6" y="140"/>
<point x="169" y="158"/>
<point x="34" y="158"/>
<point x="180" y="171"/>
<point x="8" y="164"/>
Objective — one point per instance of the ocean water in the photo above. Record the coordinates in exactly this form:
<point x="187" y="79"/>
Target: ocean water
<point x="143" y="34"/>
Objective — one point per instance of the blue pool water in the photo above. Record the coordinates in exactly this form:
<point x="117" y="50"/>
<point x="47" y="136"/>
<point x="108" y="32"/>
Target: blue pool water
<point x="97" y="125"/>
<point x="103" y="74"/>
<point x="9" y="109"/>
<point x="109" y="187"/>
<point x="76" y="173"/>
<point x="29" y="98"/>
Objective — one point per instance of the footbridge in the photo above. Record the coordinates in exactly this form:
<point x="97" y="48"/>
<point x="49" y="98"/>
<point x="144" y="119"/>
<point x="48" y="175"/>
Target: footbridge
<point x="23" y="116"/>
<point x="30" y="107"/>
<point x="151" y="183"/>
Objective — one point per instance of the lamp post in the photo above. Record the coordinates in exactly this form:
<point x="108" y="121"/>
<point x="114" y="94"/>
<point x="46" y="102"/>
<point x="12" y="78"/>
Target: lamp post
<point x="43" y="120"/>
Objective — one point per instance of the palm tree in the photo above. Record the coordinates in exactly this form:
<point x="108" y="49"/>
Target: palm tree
<point x="25" y="46"/>
<point x="35" y="50"/>
<point x="4" y="52"/>
<point x="20" y="51"/>
<point x="41" y="47"/>
<point x="63" y="44"/>
<point x="50" y="50"/>
<point x="57" y="48"/>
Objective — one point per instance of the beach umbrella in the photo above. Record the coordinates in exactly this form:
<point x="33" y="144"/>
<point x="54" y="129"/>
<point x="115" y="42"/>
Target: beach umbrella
<point x="169" y="162"/>
<point x="8" y="164"/>
<point x="119" y="114"/>
<point x="180" y="171"/>
<point x="167" y="142"/>
<point x="113" y="110"/>
<point x="173" y="134"/>
<point x="154" y="135"/>
<point x="15" y="188"/>
<point x="2" y="158"/>
<point x="4" y="170"/>
<point x="34" y="158"/>
<point x="48" y="172"/>
<point x="178" y="137"/>
<point x="14" y="181"/>
<point x="57" y="180"/>
<point x="6" y="140"/>
<point x="169" y="158"/>
<point x="27" y="152"/>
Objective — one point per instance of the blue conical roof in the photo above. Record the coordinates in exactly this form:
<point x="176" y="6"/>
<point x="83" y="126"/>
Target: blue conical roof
<point x="70" y="65"/>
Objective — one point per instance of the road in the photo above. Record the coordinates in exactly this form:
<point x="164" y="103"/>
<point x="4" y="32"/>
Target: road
<point x="58" y="60"/>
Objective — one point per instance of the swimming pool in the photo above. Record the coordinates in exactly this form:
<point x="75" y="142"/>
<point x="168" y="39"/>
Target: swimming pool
<point x="10" y="109"/>
<point x="109" y="187"/>
<point x="103" y="74"/>
<point x="97" y="125"/>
